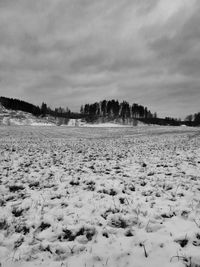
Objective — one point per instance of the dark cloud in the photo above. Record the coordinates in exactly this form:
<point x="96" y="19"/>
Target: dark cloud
<point x="71" y="52"/>
<point x="178" y="50"/>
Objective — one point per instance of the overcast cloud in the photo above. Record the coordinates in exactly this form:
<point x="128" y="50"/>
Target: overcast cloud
<point x="69" y="52"/>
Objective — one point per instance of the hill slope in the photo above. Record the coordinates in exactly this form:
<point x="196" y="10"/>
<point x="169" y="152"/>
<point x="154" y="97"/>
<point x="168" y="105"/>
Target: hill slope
<point x="17" y="117"/>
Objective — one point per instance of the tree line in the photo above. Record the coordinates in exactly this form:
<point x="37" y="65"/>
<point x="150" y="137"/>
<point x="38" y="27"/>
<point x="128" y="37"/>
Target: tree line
<point x="16" y="104"/>
<point x="193" y="120"/>
<point x="107" y="109"/>
<point x="116" y="109"/>
<point x="43" y="110"/>
<point x="57" y="112"/>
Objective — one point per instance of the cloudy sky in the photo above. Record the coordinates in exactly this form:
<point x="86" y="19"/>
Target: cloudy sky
<point x="70" y="52"/>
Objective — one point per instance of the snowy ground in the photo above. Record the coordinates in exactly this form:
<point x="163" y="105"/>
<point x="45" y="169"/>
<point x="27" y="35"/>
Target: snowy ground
<point x="94" y="197"/>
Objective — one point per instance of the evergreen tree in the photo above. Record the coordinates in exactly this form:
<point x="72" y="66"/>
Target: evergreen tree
<point x="104" y="108"/>
<point x="82" y="110"/>
<point x="44" y="108"/>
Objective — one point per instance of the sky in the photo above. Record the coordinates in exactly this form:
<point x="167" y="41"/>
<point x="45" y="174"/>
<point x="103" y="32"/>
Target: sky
<point x="72" y="52"/>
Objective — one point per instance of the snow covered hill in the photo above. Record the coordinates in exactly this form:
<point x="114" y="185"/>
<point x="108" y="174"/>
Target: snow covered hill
<point x="17" y="117"/>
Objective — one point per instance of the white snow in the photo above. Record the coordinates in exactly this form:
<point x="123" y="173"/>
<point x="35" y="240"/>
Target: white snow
<point x="105" y="125"/>
<point x="20" y="118"/>
<point x="99" y="196"/>
<point x="14" y="118"/>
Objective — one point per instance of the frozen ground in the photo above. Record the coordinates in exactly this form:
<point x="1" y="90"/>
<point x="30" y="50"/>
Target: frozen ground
<point x="95" y="197"/>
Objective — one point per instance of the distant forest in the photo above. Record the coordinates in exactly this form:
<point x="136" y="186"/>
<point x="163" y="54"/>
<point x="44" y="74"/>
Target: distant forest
<point x="111" y="109"/>
<point x="43" y="110"/>
<point x="15" y="104"/>
<point x="193" y="120"/>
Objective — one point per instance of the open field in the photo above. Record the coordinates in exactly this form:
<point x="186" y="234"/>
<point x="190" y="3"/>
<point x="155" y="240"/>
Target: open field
<point x="116" y="197"/>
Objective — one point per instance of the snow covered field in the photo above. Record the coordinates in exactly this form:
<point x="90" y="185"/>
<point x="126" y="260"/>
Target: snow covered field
<point x="95" y="197"/>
